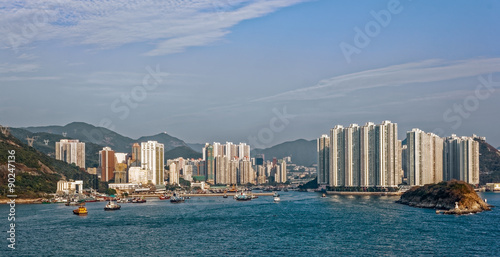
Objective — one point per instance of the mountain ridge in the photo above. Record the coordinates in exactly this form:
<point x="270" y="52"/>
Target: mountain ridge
<point x="105" y="137"/>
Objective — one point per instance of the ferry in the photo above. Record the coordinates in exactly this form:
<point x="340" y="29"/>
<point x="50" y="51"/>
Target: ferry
<point x="111" y="206"/>
<point x="82" y="211"/>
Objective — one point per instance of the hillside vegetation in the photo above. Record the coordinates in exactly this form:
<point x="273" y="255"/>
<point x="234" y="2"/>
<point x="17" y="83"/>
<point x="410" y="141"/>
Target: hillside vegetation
<point x="489" y="163"/>
<point x="36" y="173"/>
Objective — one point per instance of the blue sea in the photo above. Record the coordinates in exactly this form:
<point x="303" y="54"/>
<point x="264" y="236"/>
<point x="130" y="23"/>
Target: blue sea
<point x="302" y="224"/>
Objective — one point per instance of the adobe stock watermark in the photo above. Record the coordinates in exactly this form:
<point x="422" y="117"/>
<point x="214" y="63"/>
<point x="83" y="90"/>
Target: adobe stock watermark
<point x="11" y="180"/>
<point x="372" y="29"/>
<point x="456" y="114"/>
<point x="277" y="124"/>
<point x="123" y="105"/>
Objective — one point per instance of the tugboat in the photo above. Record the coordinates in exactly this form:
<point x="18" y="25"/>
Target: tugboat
<point x="242" y="197"/>
<point x="111" y="206"/>
<point x="81" y="211"/>
<point x="276" y="197"/>
<point x="177" y="199"/>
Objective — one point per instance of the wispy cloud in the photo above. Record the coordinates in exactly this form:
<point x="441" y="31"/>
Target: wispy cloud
<point x="39" y="78"/>
<point x="170" y="26"/>
<point x="396" y="75"/>
<point x="14" y="68"/>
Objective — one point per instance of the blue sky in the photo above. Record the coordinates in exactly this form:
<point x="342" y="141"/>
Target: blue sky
<point x="224" y="70"/>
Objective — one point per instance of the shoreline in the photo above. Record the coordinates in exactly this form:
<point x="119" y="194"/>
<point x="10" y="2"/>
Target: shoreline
<point x="364" y="193"/>
<point x="22" y="200"/>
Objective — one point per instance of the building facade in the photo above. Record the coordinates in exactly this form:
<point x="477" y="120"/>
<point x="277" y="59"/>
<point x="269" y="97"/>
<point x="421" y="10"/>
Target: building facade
<point x="152" y="159"/>
<point x="323" y="149"/>
<point x="71" y="151"/>
<point x="461" y="159"/>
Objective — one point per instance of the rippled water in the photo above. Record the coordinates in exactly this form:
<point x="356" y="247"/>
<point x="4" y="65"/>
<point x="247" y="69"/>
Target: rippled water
<point x="302" y="224"/>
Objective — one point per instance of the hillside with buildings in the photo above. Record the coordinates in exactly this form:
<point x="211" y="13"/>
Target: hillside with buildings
<point x="36" y="173"/>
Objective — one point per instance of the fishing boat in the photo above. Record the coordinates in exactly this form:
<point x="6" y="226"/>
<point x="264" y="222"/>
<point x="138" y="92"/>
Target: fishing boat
<point x="111" y="206"/>
<point x="177" y="199"/>
<point x="80" y="211"/>
<point x="276" y="197"/>
<point x="242" y="197"/>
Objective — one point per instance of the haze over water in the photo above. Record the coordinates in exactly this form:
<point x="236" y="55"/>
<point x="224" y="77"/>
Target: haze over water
<point x="302" y="224"/>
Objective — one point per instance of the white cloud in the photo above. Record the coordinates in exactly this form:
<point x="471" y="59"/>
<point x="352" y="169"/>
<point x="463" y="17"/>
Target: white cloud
<point x="396" y="75"/>
<point x="171" y="26"/>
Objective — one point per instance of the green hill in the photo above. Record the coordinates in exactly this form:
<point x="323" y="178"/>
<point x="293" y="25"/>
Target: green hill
<point x="182" y="151"/>
<point x="489" y="163"/>
<point x="303" y="152"/>
<point x="36" y="173"/>
<point x="89" y="134"/>
<point x="168" y="141"/>
<point x="100" y="136"/>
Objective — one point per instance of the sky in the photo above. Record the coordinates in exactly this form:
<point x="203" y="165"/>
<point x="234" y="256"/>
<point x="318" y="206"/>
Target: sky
<point x="261" y="72"/>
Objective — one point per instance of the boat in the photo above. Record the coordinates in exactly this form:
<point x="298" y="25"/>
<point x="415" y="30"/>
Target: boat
<point x="276" y="197"/>
<point x="72" y="203"/>
<point x="242" y="197"/>
<point x="80" y="211"/>
<point x="177" y="199"/>
<point x="233" y="189"/>
<point x="224" y="196"/>
<point x="111" y="206"/>
<point x="140" y="200"/>
<point x="324" y="195"/>
<point x="286" y="189"/>
<point x="164" y="197"/>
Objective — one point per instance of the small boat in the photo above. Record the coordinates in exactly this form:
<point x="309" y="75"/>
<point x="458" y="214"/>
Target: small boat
<point x="72" y="203"/>
<point x="140" y="200"/>
<point x="177" y="199"/>
<point x="111" y="206"/>
<point x="276" y="197"/>
<point x="80" y="211"/>
<point x="224" y="196"/>
<point x="324" y="195"/>
<point x="254" y="196"/>
<point x="242" y="197"/>
<point x="164" y="197"/>
<point x="286" y="189"/>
